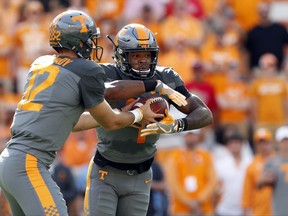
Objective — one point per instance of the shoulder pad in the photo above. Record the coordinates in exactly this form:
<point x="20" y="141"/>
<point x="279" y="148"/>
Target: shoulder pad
<point x="43" y="60"/>
<point x="162" y="69"/>
<point x="167" y="70"/>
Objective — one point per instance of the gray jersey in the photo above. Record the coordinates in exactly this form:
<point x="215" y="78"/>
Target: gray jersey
<point x="279" y="167"/>
<point x="57" y="92"/>
<point x="125" y="145"/>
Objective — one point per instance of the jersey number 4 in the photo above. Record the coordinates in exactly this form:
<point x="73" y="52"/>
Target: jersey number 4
<point x="28" y="100"/>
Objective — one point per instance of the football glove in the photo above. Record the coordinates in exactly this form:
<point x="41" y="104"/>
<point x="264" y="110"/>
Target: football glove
<point x="175" y="96"/>
<point x="167" y="125"/>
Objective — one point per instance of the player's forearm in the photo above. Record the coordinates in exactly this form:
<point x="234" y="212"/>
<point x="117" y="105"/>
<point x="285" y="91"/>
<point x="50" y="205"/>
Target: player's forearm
<point x="122" y="120"/>
<point x="199" y="118"/>
<point x="125" y="89"/>
<point x="85" y="122"/>
<point x="114" y="119"/>
<point x="198" y="114"/>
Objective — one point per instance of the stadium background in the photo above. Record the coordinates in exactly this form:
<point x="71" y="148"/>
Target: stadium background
<point x="205" y="41"/>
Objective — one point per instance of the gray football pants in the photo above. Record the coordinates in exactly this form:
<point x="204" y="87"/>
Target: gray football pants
<point x="28" y="186"/>
<point x="114" y="192"/>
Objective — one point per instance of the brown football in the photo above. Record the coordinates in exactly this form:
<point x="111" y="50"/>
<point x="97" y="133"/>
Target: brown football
<point x="158" y="104"/>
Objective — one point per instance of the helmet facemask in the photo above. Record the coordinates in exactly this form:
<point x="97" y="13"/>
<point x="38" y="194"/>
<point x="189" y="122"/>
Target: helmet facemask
<point x="90" y="48"/>
<point x="96" y="51"/>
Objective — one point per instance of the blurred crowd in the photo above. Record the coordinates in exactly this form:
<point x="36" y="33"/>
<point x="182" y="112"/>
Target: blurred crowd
<point x="231" y="53"/>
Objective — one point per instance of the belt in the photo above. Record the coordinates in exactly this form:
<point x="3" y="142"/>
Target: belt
<point x="139" y="167"/>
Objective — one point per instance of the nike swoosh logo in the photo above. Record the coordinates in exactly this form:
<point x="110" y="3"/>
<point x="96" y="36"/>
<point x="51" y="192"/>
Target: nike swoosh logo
<point x="148" y="181"/>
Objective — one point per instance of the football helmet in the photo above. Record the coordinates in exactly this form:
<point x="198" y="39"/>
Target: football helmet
<point x="76" y="31"/>
<point x="135" y="38"/>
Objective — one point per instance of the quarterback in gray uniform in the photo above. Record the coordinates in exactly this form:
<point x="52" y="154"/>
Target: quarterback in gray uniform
<point x="119" y="176"/>
<point x="58" y="90"/>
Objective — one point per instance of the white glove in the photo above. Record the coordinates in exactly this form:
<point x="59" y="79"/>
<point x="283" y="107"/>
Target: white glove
<point x="175" y="96"/>
<point x="168" y="125"/>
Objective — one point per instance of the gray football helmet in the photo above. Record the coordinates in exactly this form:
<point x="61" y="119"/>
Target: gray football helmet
<point x="135" y="38"/>
<point x="76" y="31"/>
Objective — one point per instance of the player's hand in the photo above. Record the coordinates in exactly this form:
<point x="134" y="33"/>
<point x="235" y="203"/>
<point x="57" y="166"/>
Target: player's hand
<point x="129" y="106"/>
<point x="167" y="125"/>
<point x="175" y="96"/>
<point x="148" y="114"/>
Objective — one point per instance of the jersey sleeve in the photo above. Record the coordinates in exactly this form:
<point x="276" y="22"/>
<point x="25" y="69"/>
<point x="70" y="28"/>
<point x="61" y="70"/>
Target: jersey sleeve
<point x="173" y="80"/>
<point x="171" y="75"/>
<point x="179" y="83"/>
<point x="92" y="88"/>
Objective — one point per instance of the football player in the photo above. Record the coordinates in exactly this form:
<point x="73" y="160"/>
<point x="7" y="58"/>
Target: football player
<point x="58" y="89"/>
<point x="119" y="176"/>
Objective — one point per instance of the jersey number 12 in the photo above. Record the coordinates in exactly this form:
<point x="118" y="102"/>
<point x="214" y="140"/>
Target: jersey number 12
<point x="28" y="100"/>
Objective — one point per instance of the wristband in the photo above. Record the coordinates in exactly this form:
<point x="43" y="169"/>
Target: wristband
<point x="138" y="115"/>
<point x="150" y="85"/>
<point x="182" y="124"/>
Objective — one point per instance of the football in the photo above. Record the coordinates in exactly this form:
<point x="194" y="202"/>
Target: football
<point x="158" y="104"/>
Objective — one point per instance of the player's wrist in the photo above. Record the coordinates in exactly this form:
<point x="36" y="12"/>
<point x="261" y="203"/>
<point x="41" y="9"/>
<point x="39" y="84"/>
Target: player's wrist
<point x="138" y="115"/>
<point x="150" y="85"/>
<point x="182" y="124"/>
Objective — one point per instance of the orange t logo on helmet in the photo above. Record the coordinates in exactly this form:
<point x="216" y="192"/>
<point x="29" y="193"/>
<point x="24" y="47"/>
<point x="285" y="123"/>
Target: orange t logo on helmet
<point x="81" y="19"/>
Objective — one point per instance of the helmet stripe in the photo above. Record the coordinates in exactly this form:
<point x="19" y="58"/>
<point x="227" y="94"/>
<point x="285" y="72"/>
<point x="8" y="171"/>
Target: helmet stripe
<point x="143" y="37"/>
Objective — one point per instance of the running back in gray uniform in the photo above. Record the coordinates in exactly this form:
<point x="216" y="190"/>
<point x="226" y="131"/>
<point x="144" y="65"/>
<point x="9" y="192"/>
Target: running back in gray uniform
<point x="123" y="192"/>
<point x="119" y="176"/>
<point x="57" y="92"/>
<point x="279" y="167"/>
<point x="113" y="145"/>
